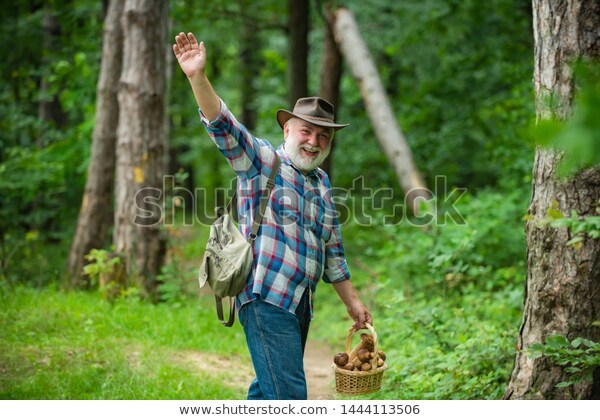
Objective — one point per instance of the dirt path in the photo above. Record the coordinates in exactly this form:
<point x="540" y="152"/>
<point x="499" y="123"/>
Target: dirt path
<point x="319" y="376"/>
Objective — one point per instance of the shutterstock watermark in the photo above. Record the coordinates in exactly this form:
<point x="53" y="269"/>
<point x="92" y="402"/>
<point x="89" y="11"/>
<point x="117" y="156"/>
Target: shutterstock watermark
<point x="360" y="204"/>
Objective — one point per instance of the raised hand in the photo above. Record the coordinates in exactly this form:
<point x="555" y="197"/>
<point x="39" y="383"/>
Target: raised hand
<point x="190" y="55"/>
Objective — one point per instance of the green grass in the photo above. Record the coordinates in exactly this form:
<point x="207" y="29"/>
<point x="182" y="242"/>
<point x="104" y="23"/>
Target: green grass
<point x="73" y="345"/>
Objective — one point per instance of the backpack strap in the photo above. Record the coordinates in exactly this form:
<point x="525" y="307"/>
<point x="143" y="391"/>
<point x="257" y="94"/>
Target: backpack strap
<point x="219" y="302"/>
<point x="264" y="200"/>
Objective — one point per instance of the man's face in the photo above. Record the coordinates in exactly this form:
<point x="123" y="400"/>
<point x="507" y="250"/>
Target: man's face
<point x="307" y="145"/>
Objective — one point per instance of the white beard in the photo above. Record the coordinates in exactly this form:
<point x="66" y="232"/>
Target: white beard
<point x="303" y="162"/>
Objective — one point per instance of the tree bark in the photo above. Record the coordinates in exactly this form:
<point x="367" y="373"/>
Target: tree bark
<point x="562" y="293"/>
<point x="298" y="50"/>
<point x="96" y="213"/>
<point x="384" y="121"/>
<point x="331" y="75"/>
<point x="141" y="142"/>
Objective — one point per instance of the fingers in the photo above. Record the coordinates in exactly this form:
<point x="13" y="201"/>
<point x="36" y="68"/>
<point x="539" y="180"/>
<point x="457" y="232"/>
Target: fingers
<point x="359" y="321"/>
<point x="178" y="47"/>
<point x="369" y="319"/>
<point x="176" y="50"/>
<point x="185" y="43"/>
<point x="364" y="318"/>
<point x="193" y="41"/>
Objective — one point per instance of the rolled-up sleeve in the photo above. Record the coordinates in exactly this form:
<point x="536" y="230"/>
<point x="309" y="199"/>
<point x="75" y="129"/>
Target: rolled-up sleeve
<point x="235" y="142"/>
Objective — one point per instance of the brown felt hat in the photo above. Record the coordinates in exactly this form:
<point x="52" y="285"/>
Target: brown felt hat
<point x="314" y="110"/>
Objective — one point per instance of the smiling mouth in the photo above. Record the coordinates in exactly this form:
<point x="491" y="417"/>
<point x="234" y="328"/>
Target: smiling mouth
<point x="310" y="154"/>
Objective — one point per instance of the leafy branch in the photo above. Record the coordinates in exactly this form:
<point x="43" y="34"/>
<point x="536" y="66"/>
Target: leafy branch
<point x="101" y="261"/>
<point x="579" y="357"/>
<point x="579" y="226"/>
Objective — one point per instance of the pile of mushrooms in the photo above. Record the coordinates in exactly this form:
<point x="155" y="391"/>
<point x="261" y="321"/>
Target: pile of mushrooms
<point x="362" y="357"/>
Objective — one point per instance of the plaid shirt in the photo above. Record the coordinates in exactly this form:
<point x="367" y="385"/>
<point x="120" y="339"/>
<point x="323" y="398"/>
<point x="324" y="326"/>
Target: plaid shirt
<point x="299" y="222"/>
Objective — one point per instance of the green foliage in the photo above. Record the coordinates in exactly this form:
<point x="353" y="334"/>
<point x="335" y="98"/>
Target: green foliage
<point x="458" y="74"/>
<point x="101" y="261"/>
<point x="579" y="226"/>
<point x="31" y="203"/>
<point x="178" y="279"/>
<point x="43" y="162"/>
<point x="451" y="348"/>
<point x="589" y="225"/>
<point x="488" y="250"/>
<point x="579" y="136"/>
<point x="578" y="357"/>
<point x="175" y="282"/>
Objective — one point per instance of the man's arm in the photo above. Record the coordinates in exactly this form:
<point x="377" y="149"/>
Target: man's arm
<point x="359" y="312"/>
<point x="246" y="155"/>
<point x="192" y="60"/>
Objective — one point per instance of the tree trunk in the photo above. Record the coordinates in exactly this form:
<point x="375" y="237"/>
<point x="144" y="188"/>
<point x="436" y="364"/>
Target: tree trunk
<point x="250" y="63"/>
<point x="331" y="75"/>
<point x="141" y="142"/>
<point x="96" y="213"/>
<point x="563" y="283"/>
<point x="49" y="107"/>
<point x="298" y="50"/>
<point x="384" y="122"/>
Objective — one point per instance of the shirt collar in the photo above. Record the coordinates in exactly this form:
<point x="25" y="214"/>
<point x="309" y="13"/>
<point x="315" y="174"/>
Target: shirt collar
<point x="315" y="173"/>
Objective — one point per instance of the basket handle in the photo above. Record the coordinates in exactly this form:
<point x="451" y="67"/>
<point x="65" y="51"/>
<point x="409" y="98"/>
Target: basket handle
<point x="352" y="353"/>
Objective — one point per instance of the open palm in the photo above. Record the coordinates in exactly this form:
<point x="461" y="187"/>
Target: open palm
<point x="190" y="55"/>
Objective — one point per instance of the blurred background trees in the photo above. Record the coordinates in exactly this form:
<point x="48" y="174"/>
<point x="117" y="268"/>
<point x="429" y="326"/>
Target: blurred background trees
<point x="458" y="74"/>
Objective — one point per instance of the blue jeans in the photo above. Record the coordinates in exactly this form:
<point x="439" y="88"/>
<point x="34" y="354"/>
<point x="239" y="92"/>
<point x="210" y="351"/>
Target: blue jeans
<point x="276" y="340"/>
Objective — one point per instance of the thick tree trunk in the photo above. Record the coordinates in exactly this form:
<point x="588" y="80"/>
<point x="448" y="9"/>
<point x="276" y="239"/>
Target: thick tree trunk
<point x="298" y="50"/>
<point x="384" y="122"/>
<point x="331" y="75"/>
<point x="563" y="283"/>
<point x="141" y="142"/>
<point x="96" y="213"/>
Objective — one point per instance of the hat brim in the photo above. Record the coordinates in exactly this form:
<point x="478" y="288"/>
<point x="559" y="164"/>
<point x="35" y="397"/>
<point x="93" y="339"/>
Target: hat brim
<point x="283" y="116"/>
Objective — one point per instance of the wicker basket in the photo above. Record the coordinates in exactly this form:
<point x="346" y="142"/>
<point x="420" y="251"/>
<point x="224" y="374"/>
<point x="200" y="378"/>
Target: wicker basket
<point x="353" y="382"/>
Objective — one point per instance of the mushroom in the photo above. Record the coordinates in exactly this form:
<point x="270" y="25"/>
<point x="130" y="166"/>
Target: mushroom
<point x="341" y="359"/>
<point x="381" y="355"/>
<point x="348" y="366"/>
<point x="367" y="341"/>
<point x="357" y="363"/>
<point x="364" y="355"/>
<point x="380" y="362"/>
<point x="365" y="367"/>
